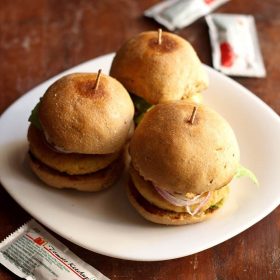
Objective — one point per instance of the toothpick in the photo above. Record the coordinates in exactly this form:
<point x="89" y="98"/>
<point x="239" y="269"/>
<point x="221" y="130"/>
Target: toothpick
<point x="159" y="36"/>
<point x="97" y="79"/>
<point x="193" y="114"/>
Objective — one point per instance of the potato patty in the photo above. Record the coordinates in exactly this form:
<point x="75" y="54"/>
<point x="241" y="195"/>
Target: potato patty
<point x="91" y="182"/>
<point x="147" y="190"/>
<point x="73" y="164"/>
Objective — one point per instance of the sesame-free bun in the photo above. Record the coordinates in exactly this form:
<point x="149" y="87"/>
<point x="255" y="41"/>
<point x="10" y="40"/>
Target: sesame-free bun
<point x="73" y="164"/>
<point x="78" y="118"/>
<point x="158" y="215"/>
<point x="179" y="156"/>
<point x="88" y="182"/>
<point x="159" y="72"/>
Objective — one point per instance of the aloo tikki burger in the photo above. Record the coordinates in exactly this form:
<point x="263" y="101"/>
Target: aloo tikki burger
<point x="157" y="67"/>
<point x="78" y="132"/>
<point x="183" y="158"/>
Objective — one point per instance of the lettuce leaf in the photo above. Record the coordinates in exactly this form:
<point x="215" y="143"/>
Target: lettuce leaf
<point x="140" y="104"/>
<point x="34" y="117"/>
<point x="141" y="107"/>
<point x="138" y="118"/>
<point x="244" y="172"/>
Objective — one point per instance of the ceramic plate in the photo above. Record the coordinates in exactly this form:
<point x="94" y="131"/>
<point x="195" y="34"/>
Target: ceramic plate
<point x="106" y="223"/>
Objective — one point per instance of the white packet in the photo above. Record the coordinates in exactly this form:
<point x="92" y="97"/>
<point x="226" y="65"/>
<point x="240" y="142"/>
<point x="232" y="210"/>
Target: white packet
<point x="34" y="254"/>
<point x="235" y="46"/>
<point x="181" y="13"/>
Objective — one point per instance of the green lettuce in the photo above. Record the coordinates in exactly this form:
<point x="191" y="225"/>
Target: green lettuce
<point x="244" y="172"/>
<point x="34" y="117"/>
<point x="138" y="118"/>
<point x="141" y="107"/>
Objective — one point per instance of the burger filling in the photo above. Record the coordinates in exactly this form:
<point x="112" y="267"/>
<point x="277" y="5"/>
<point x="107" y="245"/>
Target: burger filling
<point x="34" y="117"/>
<point x="245" y="172"/>
<point x="34" y="120"/>
<point x="194" y="205"/>
<point x="141" y="107"/>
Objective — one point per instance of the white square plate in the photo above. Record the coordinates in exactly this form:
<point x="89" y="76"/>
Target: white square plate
<point x="106" y="223"/>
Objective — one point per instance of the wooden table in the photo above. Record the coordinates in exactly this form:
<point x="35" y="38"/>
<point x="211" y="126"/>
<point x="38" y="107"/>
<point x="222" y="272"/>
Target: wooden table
<point x="40" y="38"/>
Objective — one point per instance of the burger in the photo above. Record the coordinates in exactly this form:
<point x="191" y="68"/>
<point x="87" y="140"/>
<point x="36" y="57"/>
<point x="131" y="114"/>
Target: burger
<point x="78" y="132"/>
<point x="183" y="158"/>
<point x="157" y="67"/>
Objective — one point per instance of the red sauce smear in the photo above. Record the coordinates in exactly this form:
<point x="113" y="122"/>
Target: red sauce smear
<point x="227" y="54"/>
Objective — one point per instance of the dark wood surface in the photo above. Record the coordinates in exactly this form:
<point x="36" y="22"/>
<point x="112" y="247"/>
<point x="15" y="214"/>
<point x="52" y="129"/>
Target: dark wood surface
<point x="40" y="38"/>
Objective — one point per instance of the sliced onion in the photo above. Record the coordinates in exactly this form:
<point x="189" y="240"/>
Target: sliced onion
<point x="179" y="200"/>
<point x="53" y="147"/>
<point x="201" y="204"/>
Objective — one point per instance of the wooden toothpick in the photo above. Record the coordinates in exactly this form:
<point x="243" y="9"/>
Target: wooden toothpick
<point x="97" y="79"/>
<point x="159" y="36"/>
<point x="193" y="114"/>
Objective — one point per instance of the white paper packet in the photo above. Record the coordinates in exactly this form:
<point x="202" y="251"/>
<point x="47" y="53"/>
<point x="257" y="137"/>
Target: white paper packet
<point x="180" y="13"/>
<point x="235" y="46"/>
<point x="34" y="254"/>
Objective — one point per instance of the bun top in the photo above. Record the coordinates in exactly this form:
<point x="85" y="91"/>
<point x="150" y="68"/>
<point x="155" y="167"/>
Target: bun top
<point x="78" y="118"/>
<point x="178" y="156"/>
<point x="159" y="72"/>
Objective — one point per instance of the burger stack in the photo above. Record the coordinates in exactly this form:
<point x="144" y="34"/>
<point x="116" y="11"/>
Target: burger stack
<point x="183" y="154"/>
<point x="181" y="165"/>
<point x="78" y="132"/>
<point x="157" y="67"/>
